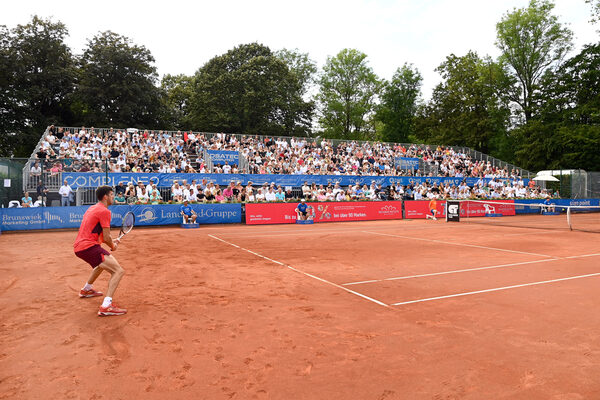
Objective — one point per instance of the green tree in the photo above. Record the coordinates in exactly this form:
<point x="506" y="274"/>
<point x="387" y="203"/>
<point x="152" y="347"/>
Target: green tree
<point x="566" y="133"/>
<point x="301" y="65"/>
<point x="177" y="96"/>
<point x="37" y="76"/>
<point x="347" y="96"/>
<point x="531" y="40"/>
<point x="595" y="9"/>
<point x="399" y="104"/>
<point x="249" y="90"/>
<point x="117" y="84"/>
<point x="466" y="108"/>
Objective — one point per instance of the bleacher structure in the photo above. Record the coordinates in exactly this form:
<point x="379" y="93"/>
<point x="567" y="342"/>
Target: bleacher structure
<point x="53" y="181"/>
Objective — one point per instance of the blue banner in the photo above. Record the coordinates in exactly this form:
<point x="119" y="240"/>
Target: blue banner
<point x="522" y="208"/>
<point x="90" y="179"/>
<point x="222" y="157"/>
<point x="12" y="219"/>
<point x="406" y="163"/>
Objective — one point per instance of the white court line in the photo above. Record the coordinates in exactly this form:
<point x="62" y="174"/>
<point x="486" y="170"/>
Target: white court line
<point x="461" y="244"/>
<point x="303" y="273"/>
<point x="468" y="269"/>
<point x="312" y="232"/>
<point x="495" y="289"/>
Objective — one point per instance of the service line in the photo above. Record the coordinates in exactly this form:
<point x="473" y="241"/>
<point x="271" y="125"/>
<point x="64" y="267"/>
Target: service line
<point x="496" y="289"/>
<point x="460" y="244"/>
<point x="456" y="271"/>
<point x="302" y="272"/>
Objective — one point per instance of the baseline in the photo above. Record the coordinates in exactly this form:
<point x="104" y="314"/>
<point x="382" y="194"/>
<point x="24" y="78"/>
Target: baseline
<point x="303" y="273"/>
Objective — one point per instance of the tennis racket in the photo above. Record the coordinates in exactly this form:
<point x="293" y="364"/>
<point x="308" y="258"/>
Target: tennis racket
<point x="127" y="225"/>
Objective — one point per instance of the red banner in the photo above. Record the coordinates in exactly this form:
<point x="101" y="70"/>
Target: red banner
<point x="481" y="208"/>
<point x="420" y="209"/>
<point x="284" y="213"/>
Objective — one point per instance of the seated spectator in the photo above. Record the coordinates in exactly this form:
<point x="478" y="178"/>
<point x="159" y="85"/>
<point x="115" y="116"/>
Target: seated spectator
<point x="130" y="193"/>
<point x="219" y="196"/>
<point x="120" y="189"/>
<point x="270" y="195"/>
<point x="279" y="195"/>
<point x="228" y="192"/>
<point x="120" y="198"/>
<point x="36" y="170"/>
<point x="143" y="196"/>
<point x="177" y="192"/>
<point x="26" y="200"/>
<point x="39" y="202"/>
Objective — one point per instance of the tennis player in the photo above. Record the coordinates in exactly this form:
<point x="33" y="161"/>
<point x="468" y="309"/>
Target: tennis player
<point x="94" y="230"/>
<point x="432" y="209"/>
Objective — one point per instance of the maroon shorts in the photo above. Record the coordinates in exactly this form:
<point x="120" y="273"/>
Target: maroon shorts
<point x="93" y="255"/>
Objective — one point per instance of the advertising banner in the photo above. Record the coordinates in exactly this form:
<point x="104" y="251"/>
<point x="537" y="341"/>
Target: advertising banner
<point x="221" y="157"/>
<point x="406" y="163"/>
<point x="284" y="213"/>
<point x="70" y="217"/>
<point x="480" y="209"/>
<point x="452" y="211"/>
<point x="522" y="208"/>
<point x="94" y="179"/>
<point x="421" y="209"/>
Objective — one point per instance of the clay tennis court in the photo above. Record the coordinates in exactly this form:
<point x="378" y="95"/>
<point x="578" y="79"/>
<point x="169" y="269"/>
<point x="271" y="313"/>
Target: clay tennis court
<point x="364" y="310"/>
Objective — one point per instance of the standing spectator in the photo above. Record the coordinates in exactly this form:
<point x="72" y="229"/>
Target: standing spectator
<point x="26" y="200"/>
<point x="42" y="191"/>
<point x="65" y="192"/>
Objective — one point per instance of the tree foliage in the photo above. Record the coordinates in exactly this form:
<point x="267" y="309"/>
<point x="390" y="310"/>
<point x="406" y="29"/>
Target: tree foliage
<point x="466" y="108"/>
<point x="398" y="106"/>
<point x="117" y="84"/>
<point x="301" y="65"/>
<point x="37" y="75"/>
<point x="566" y="133"/>
<point x="177" y="97"/>
<point x="249" y="90"/>
<point x="531" y="40"/>
<point x="347" y="96"/>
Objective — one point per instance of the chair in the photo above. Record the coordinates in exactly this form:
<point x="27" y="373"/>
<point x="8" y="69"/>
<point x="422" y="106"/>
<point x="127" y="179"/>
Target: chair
<point x="14" y="204"/>
<point x="55" y="203"/>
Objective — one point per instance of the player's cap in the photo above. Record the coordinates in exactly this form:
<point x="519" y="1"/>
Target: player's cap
<point x="185" y="201"/>
<point x="302" y="200"/>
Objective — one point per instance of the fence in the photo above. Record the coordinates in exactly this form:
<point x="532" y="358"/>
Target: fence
<point x="11" y="180"/>
<point x="585" y="184"/>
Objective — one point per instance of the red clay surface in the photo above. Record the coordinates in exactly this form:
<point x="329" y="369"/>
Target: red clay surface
<point x="208" y="320"/>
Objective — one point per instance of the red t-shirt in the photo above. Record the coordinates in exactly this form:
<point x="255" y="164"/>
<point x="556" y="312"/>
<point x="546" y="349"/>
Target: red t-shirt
<point x="94" y="220"/>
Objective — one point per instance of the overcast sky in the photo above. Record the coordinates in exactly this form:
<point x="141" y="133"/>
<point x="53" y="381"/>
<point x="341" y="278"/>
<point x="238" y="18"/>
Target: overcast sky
<point x="183" y="35"/>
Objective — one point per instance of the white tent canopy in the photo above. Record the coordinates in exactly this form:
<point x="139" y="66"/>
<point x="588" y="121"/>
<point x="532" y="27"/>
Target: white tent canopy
<point x="547" y="178"/>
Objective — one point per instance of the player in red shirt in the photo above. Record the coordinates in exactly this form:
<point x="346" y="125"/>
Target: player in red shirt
<point x="94" y="230"/>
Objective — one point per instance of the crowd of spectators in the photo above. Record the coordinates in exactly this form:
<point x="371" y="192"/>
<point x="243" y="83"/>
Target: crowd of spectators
<point x="203" y="192"/>
<point x="93" y="150"/>
<point x="98" y="150"/>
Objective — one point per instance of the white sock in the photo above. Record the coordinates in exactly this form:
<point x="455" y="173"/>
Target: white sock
<point x="87" y="286"/>
<point x="107" y="302"/>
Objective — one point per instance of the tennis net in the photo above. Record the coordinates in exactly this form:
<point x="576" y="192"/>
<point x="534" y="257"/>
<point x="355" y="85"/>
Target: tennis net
<point x="529" y="215"/>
